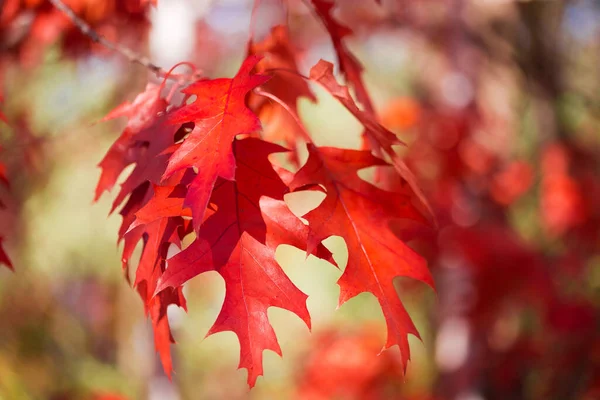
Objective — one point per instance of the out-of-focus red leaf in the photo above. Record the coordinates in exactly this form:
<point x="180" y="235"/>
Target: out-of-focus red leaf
<point x="562" y="199"/>
<point x="512" y="182"/>
<point x="501" y="265"/>
<point x="346" y="365"/>
<point x="401" y="113"/>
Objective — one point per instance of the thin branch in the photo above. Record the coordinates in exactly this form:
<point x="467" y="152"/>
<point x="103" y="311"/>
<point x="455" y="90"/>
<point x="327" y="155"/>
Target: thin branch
<point x="87" y="30"/>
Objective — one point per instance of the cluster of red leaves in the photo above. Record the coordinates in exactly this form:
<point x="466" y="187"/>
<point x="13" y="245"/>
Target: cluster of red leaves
<point x="29" y="26"/>
<point x="202" y="169"/>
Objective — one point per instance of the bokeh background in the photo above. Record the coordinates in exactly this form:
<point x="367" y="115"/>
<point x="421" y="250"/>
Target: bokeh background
<point x="499" y="102"/>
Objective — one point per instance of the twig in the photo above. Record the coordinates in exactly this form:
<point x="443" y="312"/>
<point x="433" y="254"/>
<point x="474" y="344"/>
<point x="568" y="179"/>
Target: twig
<point x="87" y="30"/>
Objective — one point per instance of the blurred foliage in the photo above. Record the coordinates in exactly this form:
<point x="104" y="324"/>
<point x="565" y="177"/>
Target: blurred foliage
<point x="499" y="103"/>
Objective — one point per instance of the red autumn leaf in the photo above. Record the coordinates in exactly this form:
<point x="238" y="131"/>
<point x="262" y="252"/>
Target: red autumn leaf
<point x="151" y="266"/>
<point x="360" y="213"/>
<point x="166" y="202"/>
<point x="145" y="142"/>
<point x="219" y="113"/>
<point x="381" y="139"/>
<point x="280" y="60"/>
<point x="354" y="369"/>
<point x="157" y="236"/>
<point x="322" y="73"/>
<point x="140" y="196"/>
<point x="349" y="64"/>
<point x="239" y="241"/>
<point x="144" y="137"/>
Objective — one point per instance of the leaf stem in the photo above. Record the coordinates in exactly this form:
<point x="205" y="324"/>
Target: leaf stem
<point x="293" y="114"/>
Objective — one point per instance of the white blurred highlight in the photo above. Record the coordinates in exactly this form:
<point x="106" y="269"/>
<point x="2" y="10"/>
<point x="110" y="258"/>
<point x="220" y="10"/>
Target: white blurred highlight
<point x="457" y="90"/>
<point x="470" y="396"/>
<point x="452" y="344"/>
<point x="172" y="34"/>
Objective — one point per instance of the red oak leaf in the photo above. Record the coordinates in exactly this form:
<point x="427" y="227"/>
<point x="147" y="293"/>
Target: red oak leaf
<point x="143" y="142"/>
<point x="219" y="113"/>
<point x="322" y="73"/>
<point x="349" y="64"/>
<point x="141" y="113"/>
<point x="166" y="202"/>
<point x="239" y="241"/>
<point x="139" y="196"/>
<point x="157" y="236"/>
<point x="280" y="60"/>
<point x="380" y="139"/>
<point x="360" y="213"/>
